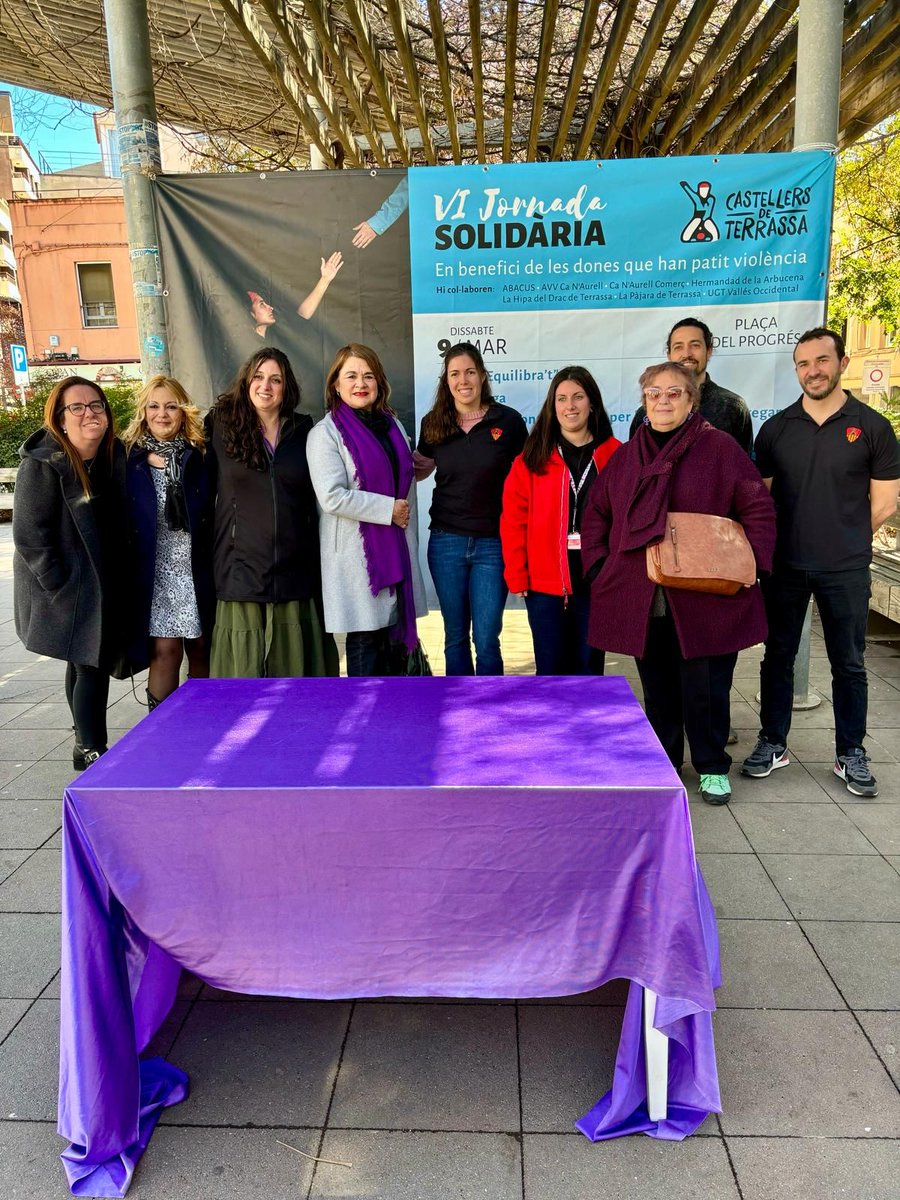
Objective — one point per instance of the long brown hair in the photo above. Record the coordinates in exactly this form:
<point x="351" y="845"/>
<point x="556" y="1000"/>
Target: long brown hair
<point x="191" y="421"/>
<point x="439" y="424"/>
<point x="546" y="433"/>
<point x="241" y="434"/>
<point x="368" y="355"/>
<point x="53" y="412"/>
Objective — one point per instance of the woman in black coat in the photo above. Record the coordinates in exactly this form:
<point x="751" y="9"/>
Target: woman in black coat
<point x="70" y="539"/>
<point x="266" y="539"/>
<point x="170" y="504"/>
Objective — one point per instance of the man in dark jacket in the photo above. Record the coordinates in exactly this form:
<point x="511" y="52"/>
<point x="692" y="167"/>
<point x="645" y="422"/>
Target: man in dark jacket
<point x="690" y="342"/>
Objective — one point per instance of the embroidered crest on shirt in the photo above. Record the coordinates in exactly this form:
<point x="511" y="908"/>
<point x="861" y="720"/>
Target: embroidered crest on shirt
<point x="853" y="433"/>
<point x="497" y="432"/>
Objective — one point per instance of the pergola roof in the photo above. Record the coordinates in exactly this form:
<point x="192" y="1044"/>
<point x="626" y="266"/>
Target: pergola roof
<point x="393" y="82"/>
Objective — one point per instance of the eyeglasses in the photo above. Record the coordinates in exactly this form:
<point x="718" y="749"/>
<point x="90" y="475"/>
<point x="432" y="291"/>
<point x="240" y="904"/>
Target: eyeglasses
<point x="76" y="409"/>
<point x="670" y="393"/>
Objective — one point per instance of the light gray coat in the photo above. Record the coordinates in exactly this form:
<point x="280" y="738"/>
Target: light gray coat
<point x="349" y="604"/>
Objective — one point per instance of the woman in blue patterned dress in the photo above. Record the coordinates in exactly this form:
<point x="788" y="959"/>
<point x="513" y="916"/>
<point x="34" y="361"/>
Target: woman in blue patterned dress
<point x="171" y="515"/>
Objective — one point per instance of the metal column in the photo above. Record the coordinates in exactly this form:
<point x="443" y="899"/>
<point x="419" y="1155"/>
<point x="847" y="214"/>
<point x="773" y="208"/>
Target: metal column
<point x="131" y="72"/>
<point x="820" y="33"/>
<point x="819" y="38"/>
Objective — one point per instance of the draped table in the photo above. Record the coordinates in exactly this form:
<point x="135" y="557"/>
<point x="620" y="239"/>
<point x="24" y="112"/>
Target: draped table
<point x="326" y="838"/>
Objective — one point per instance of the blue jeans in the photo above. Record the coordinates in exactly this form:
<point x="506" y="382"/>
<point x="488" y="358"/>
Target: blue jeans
<point x="468" y="579"/>
<point x="842" y="598"/>
<point x="559" y="634"/>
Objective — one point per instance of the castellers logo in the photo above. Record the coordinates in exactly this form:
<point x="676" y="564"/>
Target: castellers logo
<point x="701" y="227"/>
<point x="853" y="433"/>
<point x="496" y="432"/>
<point x="750" y="214"/>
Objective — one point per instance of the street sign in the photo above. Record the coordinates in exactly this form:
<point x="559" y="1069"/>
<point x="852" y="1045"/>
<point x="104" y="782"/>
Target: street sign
<point x="19" y="359"/>
<point x="876" y="376"/>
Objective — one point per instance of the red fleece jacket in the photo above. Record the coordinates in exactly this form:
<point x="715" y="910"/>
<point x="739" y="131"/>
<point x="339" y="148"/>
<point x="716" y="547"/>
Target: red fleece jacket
<point x="534" y="524"/>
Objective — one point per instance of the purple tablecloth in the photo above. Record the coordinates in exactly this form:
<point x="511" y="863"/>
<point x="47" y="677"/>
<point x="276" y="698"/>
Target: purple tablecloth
<point x="344" y="837"/>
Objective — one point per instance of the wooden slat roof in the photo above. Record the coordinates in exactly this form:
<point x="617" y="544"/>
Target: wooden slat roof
<point x="395" y="82"/>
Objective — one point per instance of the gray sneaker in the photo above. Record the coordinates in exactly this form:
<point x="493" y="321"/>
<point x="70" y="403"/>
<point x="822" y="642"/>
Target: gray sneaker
<point x="766" y="758"/>
<point x="853" y="768"/>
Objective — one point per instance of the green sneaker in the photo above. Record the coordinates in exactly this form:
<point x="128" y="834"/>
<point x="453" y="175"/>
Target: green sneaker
<point x="715" y="789"/>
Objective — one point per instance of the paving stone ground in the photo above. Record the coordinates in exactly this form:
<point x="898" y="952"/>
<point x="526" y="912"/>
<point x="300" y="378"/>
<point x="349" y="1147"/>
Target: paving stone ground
<point x="475" y="1101"/>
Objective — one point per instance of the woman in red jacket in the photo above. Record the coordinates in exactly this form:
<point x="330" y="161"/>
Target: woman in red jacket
<point x="543" y="501"/>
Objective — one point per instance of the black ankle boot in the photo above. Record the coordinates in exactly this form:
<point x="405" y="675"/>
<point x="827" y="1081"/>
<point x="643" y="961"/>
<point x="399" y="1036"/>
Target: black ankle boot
<point x="83" y="756"/>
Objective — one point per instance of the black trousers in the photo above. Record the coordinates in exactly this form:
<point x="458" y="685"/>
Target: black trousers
<point x="369" y="653"/>
<point x="687" y="696"/>
<point x="87" y="691"/>
<point x="842" y="598"/>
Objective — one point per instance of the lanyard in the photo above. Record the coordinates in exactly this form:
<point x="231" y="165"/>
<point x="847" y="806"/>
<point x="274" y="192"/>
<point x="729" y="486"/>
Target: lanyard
<point x="576" y="488"/>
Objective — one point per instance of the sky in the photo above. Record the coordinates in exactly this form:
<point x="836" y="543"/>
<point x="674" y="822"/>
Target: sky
<point x="51" y="125"/>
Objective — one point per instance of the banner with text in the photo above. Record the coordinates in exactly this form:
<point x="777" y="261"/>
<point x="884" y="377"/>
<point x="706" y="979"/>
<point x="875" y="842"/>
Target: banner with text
<point x="546" y="264"/>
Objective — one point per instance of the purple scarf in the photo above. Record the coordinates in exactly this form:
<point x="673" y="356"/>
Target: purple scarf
<point x="385" y="547"/>
<point x="648" y="507"/>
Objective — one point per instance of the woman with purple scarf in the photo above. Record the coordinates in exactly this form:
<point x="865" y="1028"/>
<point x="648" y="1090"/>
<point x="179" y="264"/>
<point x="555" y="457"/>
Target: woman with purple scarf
<point x="362" y="472"/>
<point x="685" y="643"/>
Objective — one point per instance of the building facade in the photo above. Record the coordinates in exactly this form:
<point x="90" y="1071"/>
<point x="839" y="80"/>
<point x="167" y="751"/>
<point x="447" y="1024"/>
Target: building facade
<point x="65" y="270"/>
<point x="868" y="342"/>
<point x="75" y="279"/>
<point x="19" y="176"/>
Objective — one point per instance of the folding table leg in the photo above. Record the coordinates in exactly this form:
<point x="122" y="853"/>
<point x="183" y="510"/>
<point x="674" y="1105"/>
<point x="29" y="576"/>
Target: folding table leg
<point x="656" y="1049"/>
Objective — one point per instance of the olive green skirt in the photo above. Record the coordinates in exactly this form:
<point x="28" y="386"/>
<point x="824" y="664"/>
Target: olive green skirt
<point x="259" y="641"/>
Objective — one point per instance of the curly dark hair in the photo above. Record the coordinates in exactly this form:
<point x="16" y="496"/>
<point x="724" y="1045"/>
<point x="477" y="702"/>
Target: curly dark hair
<point x="439" y="424"/>
<point x="545" y="435"/>
<point x="241" y="434"/>
<point x="694" y="323"/>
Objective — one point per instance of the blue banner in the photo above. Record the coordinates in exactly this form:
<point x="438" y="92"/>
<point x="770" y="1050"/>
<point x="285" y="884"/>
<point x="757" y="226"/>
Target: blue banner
<point x="635" y="233"/>
<point x="547" y="264"/>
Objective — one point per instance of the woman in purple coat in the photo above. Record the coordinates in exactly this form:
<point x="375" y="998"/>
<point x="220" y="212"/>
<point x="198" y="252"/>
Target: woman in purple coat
<point x="685" y="643"/>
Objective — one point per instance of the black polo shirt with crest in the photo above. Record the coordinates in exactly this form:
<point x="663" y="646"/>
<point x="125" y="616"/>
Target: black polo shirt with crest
<point x="820" y="482"/>
<point x="471" y="471"/>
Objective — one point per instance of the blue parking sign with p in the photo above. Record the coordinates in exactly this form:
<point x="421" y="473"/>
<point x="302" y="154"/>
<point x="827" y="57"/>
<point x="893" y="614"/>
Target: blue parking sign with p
<point x="19" y="360"/>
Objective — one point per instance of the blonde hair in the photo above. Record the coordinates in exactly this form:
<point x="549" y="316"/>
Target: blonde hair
<point x="192" y="422"/>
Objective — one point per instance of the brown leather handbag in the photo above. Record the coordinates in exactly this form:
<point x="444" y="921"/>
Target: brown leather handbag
<point x="702" y="553"/>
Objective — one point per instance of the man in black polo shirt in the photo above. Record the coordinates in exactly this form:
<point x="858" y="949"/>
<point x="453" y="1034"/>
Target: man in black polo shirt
<point x="690" y="342"/>
<point x="832" y="465"/>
